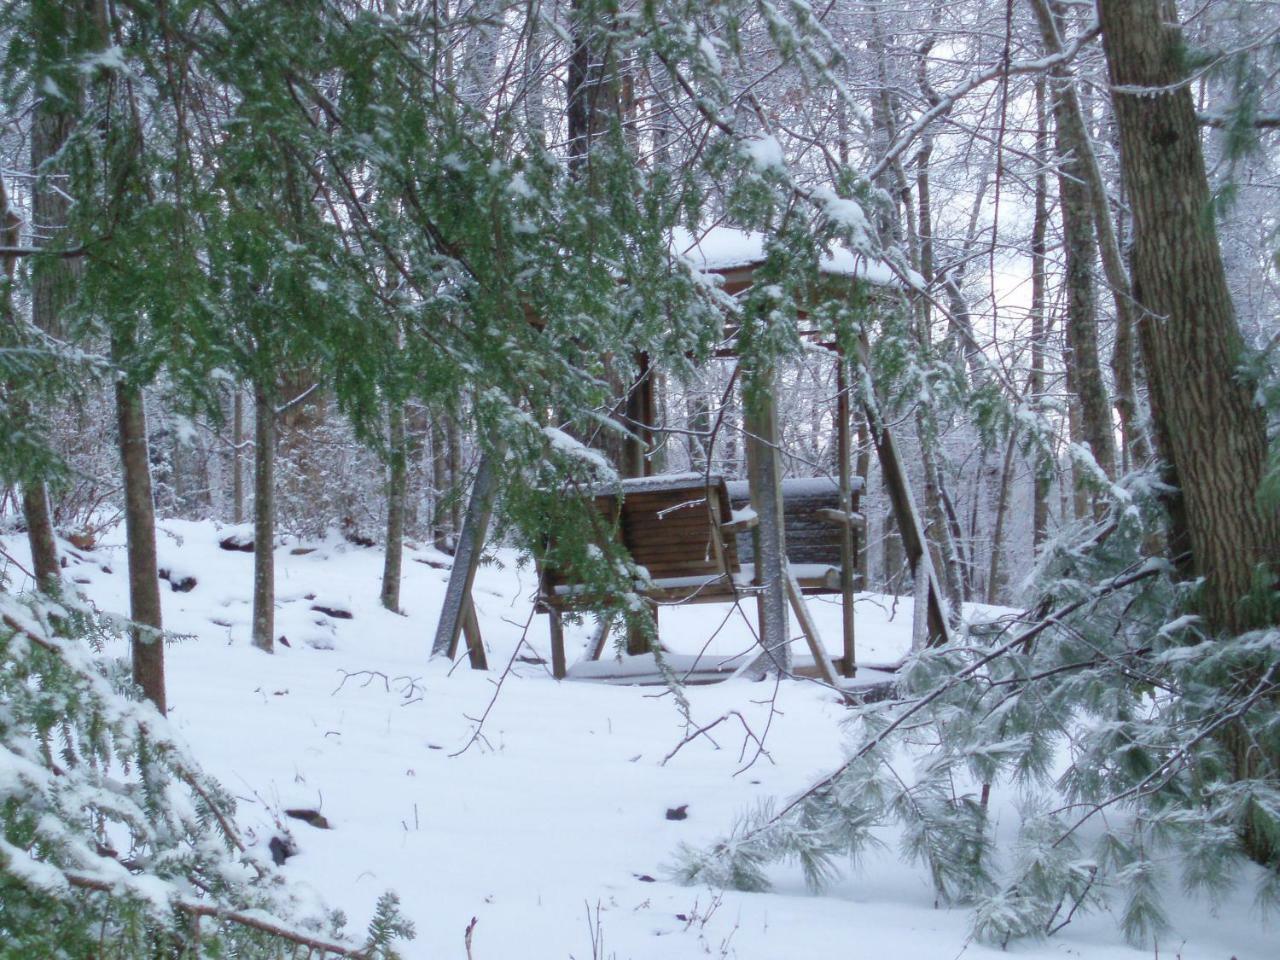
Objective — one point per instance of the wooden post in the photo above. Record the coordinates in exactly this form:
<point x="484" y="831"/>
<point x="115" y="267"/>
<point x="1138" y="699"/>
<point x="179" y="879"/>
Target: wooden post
<point x="848" y="558"/>
<point x="810" y="629"/>
<point x="595" y="649"/>
<point x="760" y="421"/>
<point x="475" y="642"/>
<point x="895" y="480"/>
<point x="557" y="644"/>
<point x="457" y="597"/>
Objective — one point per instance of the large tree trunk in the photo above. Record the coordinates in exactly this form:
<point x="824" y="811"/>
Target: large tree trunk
<point x="760" y="423"/>
<point x="264" y="516"/>
<point x="1208" y="429"/>
<point x="52" y="279"/>
<point x="147" y="644"/>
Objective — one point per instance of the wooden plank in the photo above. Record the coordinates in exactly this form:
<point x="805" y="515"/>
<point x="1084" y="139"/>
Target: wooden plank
<point x="595" y="648"/>
<point x="904" y="508"/>
<point x="842" y="519"/>
<point x="848" y="551"/>
<point x="462" y="577"/>
<point x="475" y="642"/>
<point x="810" y="629"/>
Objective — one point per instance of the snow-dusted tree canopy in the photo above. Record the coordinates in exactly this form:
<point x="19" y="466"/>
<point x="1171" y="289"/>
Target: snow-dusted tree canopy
<point x="426" y="279"/>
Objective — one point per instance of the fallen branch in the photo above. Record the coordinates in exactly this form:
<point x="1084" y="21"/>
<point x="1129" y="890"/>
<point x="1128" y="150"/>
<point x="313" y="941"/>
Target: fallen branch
<point x="254" y="921"/>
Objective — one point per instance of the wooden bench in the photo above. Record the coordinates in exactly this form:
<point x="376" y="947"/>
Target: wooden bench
<point x="812" y="518"/>
<point x="679" y="528"/>
<point x="691" y="534"/>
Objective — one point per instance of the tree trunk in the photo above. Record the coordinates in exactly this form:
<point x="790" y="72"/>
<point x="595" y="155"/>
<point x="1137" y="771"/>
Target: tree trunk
<point x="44" y="548"/>
<point x="397" y="478"/>
<point x="147" y="645"/>
<point x="1041" y="466"/>
<point x="237" y="455"/>
<point x="1082" y="312"/>
<point x="264" y="510"/>
<point x="760" y="423"/>
<point x="1208" y="429"/>
<point x="51" y="282"/>
<point x="592" y="88"/>
<point x="1075" y="140"/>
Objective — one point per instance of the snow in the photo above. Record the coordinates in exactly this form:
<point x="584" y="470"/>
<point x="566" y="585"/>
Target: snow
<point x="574" y="448"/>
<point x="558" y="810"/>
<point x="765" y="153"/>
<point x="797" y="487"/>
<point x="719" y="249"/>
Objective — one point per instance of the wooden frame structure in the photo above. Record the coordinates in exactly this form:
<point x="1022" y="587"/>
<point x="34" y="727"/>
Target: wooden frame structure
<point x="705" y="567"/>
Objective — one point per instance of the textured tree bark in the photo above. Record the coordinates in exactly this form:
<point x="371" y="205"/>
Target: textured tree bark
<point x="1041" y="467"/>
<point x="44" y="549"/>
<point x="51" y="282"/>
<point x="1208" y="429"/>
<point x="147" y="642"/>
<point x="1082" y="309"/>
<point x="397" y="481"/>
<point x="264" y="516"/>
<point x="592" y="89"/>
<point x="759" y="420"/>
<point x="1074" y="139"/>
<point x="237" y="455"/>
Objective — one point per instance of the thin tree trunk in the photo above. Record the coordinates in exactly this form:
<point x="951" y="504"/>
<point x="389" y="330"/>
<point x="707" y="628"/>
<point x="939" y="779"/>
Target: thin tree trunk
<point x="237" y="455"/>
<point x="397" y="479"/>
<point x="1074" y="134"/>
<point x="1041" y="464"/>
<point x="1081" y="311"/>
<point x="147" y="644"/>
<point x="264" y="504"/>
<point x="52" y="279"/>
<point x="994" y="579"/>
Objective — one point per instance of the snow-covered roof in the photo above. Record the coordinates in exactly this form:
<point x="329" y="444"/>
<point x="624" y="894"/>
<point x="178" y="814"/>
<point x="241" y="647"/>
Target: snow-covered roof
<point x="797" y="487"/>
<point x="719" y="249"/>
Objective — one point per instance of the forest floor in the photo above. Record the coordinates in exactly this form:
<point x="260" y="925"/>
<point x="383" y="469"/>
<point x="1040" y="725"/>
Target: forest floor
<point x="550" y="827"/>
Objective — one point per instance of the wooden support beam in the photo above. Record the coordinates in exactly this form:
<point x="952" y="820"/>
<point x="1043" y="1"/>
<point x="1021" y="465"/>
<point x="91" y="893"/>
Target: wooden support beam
<point x="740" y="526"/>
<point x="846" y="518"/>
<point x="475" y="526"/>
<point x="557" y="644"/>
<point x="904" y="508"/>
<point x="475" y="642"/>
<point x="826" y="669"/>
<point x="842" y="518"/>
<point x="595" y="649"/>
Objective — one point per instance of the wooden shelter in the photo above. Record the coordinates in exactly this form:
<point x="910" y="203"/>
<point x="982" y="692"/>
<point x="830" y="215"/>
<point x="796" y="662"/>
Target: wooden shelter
<point x="701" y="539"/>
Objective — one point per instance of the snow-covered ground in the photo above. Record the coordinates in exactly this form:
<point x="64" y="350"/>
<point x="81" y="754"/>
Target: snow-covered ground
<point x="550" y="828"/>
